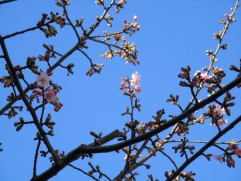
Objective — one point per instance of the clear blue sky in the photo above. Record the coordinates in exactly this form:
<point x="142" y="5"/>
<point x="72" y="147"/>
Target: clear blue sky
<point x="173" y="34"/>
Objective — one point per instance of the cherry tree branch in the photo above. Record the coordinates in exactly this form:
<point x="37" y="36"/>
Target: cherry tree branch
<point x="71" y="24"/>
<point x="7" y="106"/>
<point x="36" y="158"/>
<point x="205" y="147"/>
<point x="101" y="18"/>
<point x="71" y="156"/>
<point x="215" y="54"/>
<point x="28" y="105"/>
<point x="197" y="141"/>
<point x="52" y="171"/>
<point x="6" y="1"/>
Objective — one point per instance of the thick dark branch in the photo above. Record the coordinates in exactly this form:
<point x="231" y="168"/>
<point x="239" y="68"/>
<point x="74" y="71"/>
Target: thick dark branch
<point x="56" y="168"/>
<point x="103" y="149"/>
<point x="28" y="105"/>
<point x="6" y="1"/>
<point x="205" y="147"/>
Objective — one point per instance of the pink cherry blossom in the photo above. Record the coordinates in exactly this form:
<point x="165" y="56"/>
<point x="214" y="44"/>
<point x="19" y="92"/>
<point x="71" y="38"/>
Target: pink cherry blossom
<point x="220" y="123"/>
<point x="205" y="76"/>
<point x="137" y="89"/>
<point x="43" y="79"/>
<point x="135" y="79"/>
<point x="50" y="96"/>
<point x="238" y="152"/>
<point x="135" y="18"/>
<point x="138" y="28"/>
<point x="218" y="157"/>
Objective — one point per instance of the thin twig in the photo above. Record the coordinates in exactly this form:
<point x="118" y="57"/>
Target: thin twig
<point x="71" y="24"/>
<point x="101" y="18"/>
<point x="85" y="54"/>
<point x="196" y="141"/>
<point x="36" y="158"/>
<point x="76" y="168"/>
<point x="169" y="158"/>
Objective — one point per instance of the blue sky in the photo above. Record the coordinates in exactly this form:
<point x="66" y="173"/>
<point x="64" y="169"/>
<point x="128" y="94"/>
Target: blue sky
<point x="173" y="34"/>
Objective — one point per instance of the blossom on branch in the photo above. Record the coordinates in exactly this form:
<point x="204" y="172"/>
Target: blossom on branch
<point x="204" y="76"/>
<point x="43" y="79"/>
<point x="137" y="89"/>
<point x="136" y="78"/>
<point x="138" y="28"/>
<point x="50" y="96"/>
<point x="135" y="82"/>
<point x="222" y="123"/>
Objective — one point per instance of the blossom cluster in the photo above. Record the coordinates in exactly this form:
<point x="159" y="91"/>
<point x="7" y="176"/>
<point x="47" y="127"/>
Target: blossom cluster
<point x="125" y="84"/>
<point x="43" y="80"/>
<point x="235" y="150"/>
<point x="127" y="50"/>
<point x="215" y="111"/>
<point x="129" y="27"/>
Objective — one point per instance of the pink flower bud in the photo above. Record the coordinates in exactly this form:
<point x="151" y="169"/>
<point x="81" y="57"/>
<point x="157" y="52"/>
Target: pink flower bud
<point x="231" y="163"/>
<point x="238" y="152"/>
<point x="222" y="123"/>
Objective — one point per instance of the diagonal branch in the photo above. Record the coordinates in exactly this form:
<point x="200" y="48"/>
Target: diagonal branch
<point x="101" y="18"/>
<point x="205" y="147"/>
<point x="214" y="55"/>
<point x="6" y="1"/>
<point x="28" y="105"/>
<point x="52" y="171"/>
